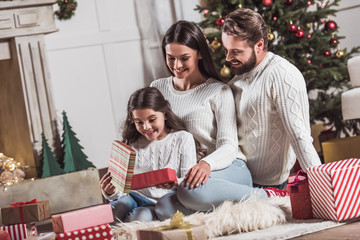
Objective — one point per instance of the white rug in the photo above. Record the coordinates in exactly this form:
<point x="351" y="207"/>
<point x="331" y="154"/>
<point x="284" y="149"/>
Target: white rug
<point x="250" y="219"/>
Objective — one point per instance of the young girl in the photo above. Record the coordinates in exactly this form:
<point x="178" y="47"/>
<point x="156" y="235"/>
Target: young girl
<point x="159" y="138"/>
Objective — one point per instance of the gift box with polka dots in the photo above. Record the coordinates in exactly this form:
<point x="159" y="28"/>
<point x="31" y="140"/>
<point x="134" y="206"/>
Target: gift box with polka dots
<point x="100" y="232"/>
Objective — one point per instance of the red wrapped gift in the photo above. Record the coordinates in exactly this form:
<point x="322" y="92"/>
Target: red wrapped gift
<point x="153" y="178"/>
<point x="335" y="190"/>
<point x="25" y="212"/>
<point x="82" y="218"/>
<point x="16" y="231"/>
<point x="298" y="188"/>
<point x="101" y="232"/>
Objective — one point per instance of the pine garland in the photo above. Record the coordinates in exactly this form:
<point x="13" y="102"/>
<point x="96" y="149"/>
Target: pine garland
<point x="66" y="9"/>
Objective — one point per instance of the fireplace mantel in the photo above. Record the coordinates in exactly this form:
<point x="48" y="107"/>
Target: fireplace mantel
<point x="26" y="105"/>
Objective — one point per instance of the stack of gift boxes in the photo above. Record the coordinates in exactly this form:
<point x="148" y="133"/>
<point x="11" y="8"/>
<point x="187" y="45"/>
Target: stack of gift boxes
<point x="330" y="191"/>
<point x="19" y="219"/>
<point x="87" y="223"/>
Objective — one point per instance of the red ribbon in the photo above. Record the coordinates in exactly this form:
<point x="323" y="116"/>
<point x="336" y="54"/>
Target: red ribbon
<point x="20" y="204"/>
<point x="297" y="180"/>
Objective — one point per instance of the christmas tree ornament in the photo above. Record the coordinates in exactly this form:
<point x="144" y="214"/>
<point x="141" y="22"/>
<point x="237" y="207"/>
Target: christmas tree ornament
<point x="220" y="21"/>
<point x="206" y="11"/>
<point x="327" y="53"/>
<point x="309" y="36"/>
<point x="309" y="2"/>
<point x="267" y="3"/>
<point x="215" y="44"/>
<point x="292" y="27"/>
<point x="333" y="40"/>
<point x="275" y="18"/>
<point x="340" y="53"/>
<point x="300" y="33"/>
<point x="289" y="2"/>
<point x="271" y="36"/>
<point x="309" y="25"/>
<point x="330" y="25"/>
<point x="225" y="72"/>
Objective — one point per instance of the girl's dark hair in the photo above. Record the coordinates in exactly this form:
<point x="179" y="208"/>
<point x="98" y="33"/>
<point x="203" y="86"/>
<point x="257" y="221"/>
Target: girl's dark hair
<point x="247" y="24"/>
<point x="152" y="98"/>
<point x="190" y="35"/>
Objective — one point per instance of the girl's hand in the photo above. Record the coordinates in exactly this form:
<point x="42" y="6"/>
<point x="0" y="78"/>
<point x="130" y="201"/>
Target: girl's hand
<point x="198" y="174"/>
<point x="167" y="185"/>
<point x="106" y="185"/>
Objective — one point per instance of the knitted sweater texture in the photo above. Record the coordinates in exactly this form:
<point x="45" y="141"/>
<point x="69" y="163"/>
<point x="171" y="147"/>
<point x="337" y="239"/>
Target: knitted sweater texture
<point x="177" y="151"/>
<point x="273" y="120"/>
<point x="208" y="111"/>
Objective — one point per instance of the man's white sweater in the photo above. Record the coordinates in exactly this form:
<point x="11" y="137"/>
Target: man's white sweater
<point x="273" y="120"/>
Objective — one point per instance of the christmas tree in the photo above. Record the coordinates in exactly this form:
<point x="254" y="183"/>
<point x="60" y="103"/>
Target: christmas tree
<point x="74" y="157"/>
<point x="50" y="166"/>
<point x="303" y="33"/>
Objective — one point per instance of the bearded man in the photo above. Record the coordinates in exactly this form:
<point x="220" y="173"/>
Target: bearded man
<point x="271" y="102"/>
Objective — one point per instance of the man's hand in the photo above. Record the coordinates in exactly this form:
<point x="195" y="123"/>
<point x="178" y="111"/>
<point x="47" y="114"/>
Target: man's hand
<point x="198" y="174"/>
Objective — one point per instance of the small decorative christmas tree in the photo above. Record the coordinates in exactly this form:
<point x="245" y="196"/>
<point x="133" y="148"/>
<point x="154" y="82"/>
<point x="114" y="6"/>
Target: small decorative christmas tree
<point x="50" y="166"/>
<point x="74" y="157"/>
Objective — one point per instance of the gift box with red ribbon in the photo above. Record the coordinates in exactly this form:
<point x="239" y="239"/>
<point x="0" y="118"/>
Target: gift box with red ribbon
<point x="298" y="188"/>
<point x="335" y="190"/>
<point x="16" y="231"/>
<point x="101" y="232"/>
<point x="25" y="212"/>
<point x="153" y="178"/>
<point x="82" y="218"/>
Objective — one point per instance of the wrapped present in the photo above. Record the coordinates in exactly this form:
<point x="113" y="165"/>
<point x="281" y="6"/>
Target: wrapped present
<point x="153" y="178"/>
<point x="335" y="190"/>
<point x="100" y="232"/>
<point x="25" y="212"/>
<point x="121" y="165"/>
<point x="298" y="188"/>
<point x="341" y="148"/>
<point x="82" y="218"/>
<point x="177" y="230"/>
<point x="16" y="231"/>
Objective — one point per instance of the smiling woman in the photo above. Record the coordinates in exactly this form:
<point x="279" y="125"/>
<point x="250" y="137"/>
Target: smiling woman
<point x="206" y="105"/>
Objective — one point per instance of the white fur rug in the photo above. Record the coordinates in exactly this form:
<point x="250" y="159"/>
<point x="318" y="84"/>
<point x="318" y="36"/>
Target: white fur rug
<point x="229" y="218"/>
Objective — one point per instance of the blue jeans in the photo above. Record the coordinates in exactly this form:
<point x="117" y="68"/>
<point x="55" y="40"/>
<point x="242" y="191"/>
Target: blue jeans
<point x="133" y="207"/>
<point x="233" y="183"/>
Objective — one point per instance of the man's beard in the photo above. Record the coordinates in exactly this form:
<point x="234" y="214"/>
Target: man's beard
<point x="246" y="66"/>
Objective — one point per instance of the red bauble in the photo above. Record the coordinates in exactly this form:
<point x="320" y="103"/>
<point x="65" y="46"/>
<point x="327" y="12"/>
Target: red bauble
<point x="220" y="21"/>
<point x="333" y="41"/>
<point x="330" y="25"/>
<point x="327" y="53"/>
<point x="289" y="2"/>
<point x="292" y="28"/>
<point x="300" y="33"/>
<point x="267" y="3"/>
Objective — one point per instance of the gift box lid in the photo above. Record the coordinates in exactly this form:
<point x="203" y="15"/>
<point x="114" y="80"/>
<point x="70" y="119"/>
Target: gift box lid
<point x="82" y="218"/>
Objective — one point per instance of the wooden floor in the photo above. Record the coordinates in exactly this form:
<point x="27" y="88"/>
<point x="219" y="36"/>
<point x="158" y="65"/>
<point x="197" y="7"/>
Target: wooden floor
<point x="349" y="231"/>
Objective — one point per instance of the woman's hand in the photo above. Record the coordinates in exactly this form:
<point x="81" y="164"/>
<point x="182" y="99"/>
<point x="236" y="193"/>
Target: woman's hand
<point x="106" y="185"/>
<point x="198" y="174"/>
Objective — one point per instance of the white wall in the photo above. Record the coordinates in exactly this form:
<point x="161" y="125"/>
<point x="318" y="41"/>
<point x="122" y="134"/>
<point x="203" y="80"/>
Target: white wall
<point x="96" y="62"/>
